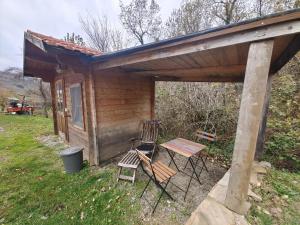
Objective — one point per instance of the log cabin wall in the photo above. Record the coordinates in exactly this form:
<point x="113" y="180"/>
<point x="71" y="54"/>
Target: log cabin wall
<point x="77" y="136"/>
<point x="122" y="102"/>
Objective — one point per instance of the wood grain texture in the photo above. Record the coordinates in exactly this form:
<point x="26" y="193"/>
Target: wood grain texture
<point x="255" y="85"/>
<point x="183" y="147"/>
<point x="122" y="102"/>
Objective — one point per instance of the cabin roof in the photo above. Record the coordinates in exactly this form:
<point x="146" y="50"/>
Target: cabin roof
<point x="213" y="55"/>
<point x="242" y="25"/>
<point x="63" y="44"/>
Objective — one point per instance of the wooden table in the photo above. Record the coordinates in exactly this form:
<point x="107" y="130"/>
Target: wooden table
<point x="187" y="149"/>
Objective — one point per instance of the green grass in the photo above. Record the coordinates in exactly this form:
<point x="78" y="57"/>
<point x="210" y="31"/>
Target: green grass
<point x="280" y="189"/>
<point x="35" y="190"/>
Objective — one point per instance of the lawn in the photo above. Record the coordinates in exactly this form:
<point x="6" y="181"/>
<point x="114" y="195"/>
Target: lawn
<point x="35" y="190"/>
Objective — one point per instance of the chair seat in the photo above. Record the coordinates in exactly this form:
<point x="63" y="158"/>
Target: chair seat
<point x="130" y="160"/>
<point x="145" y="147"/>
<point x="161" y="171"/>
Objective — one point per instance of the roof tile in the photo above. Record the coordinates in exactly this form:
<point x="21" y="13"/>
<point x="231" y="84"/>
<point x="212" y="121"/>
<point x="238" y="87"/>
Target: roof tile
<point x="65" y="44"/>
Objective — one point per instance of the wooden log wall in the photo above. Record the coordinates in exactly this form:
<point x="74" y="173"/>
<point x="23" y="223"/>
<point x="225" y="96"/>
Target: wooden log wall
<point x="122" y="102"/>
<point x="77" y="136"/>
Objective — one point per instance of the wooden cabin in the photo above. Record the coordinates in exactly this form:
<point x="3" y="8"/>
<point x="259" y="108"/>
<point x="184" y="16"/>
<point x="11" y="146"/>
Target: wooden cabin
<point x="99" y="99"/>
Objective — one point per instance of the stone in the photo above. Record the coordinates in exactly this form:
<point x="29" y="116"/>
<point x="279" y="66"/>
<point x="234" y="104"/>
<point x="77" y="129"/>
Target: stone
<point x="266" y="212"/>
<point x="210" y="212"/>
<point x="218" y="193"/>
<point x="276" y="211"/>
<point x="265" y="164"/>
<point x="255" y="196"/>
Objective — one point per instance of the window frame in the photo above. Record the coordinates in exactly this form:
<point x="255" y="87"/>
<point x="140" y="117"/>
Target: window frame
<point x="76" y="85"/>
<point x="59" y="95"/>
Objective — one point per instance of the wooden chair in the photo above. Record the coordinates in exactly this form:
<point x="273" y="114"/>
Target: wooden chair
<point x="208" y="137"/>
<point x="158" y="173"/>
<point x="146" y="143"/>
<point x="129" y="161"/>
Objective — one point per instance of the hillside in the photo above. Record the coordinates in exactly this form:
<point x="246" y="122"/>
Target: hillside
<point x="14" y="84"/>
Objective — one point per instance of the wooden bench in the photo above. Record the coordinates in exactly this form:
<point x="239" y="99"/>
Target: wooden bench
<point x="129" y="161"/>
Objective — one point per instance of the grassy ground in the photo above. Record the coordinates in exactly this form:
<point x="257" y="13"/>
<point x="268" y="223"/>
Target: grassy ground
<point x="35" y="190"/>
<point x="280" y="192"/>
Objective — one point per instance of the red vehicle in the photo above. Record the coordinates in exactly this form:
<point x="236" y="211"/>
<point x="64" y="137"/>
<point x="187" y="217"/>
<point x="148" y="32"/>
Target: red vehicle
<point x="17" y="106"/>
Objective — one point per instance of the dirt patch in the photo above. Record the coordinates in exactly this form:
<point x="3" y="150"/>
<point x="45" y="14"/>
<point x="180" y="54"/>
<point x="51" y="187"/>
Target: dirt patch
<point x="1" y="129"/>
<point x="52" y="141"/>
<point x="178" y="211"/>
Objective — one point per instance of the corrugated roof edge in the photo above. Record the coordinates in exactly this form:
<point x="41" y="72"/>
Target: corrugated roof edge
<point x="135" y="49"/>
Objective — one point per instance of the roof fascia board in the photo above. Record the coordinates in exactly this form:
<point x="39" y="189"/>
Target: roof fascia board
<point x="268" y="32"/>
<point x="35" y="41"/>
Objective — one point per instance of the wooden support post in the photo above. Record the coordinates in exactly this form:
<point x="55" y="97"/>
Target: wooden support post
<point x="53" y="100"/>
<point x="254" y="90"/>
<point x="152" y="103"/>
<point x="263" y="123"/>
<point x="91" y="119"/>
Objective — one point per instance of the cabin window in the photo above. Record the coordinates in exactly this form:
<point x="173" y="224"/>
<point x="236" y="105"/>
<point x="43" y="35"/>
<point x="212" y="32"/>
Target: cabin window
<point x="59" y="96"/>
<point x="76" y="101"/>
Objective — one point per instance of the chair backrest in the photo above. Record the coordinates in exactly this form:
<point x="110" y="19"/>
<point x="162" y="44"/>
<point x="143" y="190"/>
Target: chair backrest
<point x="149" y="132"/>
<point x="145" y="159"/>
<point x="200" y="134"/>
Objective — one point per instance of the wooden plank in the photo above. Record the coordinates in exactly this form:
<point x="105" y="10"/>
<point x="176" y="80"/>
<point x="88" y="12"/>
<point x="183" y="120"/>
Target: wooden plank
<point x="91" y="119"/>
<point x="263" y="33"/>
<point x="183" y="147"/>
<point x="255" y="85"/>
<point x="54" y="111"/>
<point x="263" y="124"/>
<point x="233" y="69"/>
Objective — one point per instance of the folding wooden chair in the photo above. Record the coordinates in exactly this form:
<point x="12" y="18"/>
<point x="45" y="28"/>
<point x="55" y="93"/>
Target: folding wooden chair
<point x="146" y="143"/>
<point x="158" y="173"/>
<point x="129" y="161"/>
<point x="208" y="137"/>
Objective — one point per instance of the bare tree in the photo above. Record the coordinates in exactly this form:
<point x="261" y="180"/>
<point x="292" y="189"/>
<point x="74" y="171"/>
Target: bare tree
<point x="264" y="7"/>
<point x="230" y="11"/>
<point x="192" y="16"/>
<point x="101" y="34"/>
<point x="141" y="20"/>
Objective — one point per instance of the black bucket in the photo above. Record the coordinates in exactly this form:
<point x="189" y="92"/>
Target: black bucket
<point x="73" y="159"/>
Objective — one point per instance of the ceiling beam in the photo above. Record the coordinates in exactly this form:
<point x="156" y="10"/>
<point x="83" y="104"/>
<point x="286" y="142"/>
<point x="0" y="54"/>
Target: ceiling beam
<point x="194" y="72"/>
<point x="289" y="52"/>
<point x="286" y="28"/>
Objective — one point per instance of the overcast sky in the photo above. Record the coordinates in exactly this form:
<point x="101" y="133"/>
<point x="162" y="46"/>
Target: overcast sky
<point x="54" y="18"/>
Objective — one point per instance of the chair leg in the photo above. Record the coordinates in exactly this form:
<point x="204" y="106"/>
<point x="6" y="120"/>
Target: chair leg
<point x="133" y="178"/>
<point x="119" y="173"/>
<point x="145" y="187"/>
<point x="161" y="194"/>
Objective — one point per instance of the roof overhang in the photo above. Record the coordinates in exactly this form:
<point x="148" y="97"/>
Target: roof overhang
<point x="44" y="60"/>
<point x="213" y="55"/>
<point x="218" y="54"/>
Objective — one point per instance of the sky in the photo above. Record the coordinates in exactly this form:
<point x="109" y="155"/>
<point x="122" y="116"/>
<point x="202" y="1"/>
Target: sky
<point x="54" y="18"/>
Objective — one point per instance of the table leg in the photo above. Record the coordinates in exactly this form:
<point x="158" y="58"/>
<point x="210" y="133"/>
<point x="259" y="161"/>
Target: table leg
<point x="194" y="170"/>
<point x="172" y="160"/>
<point x="192" y="177"/>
